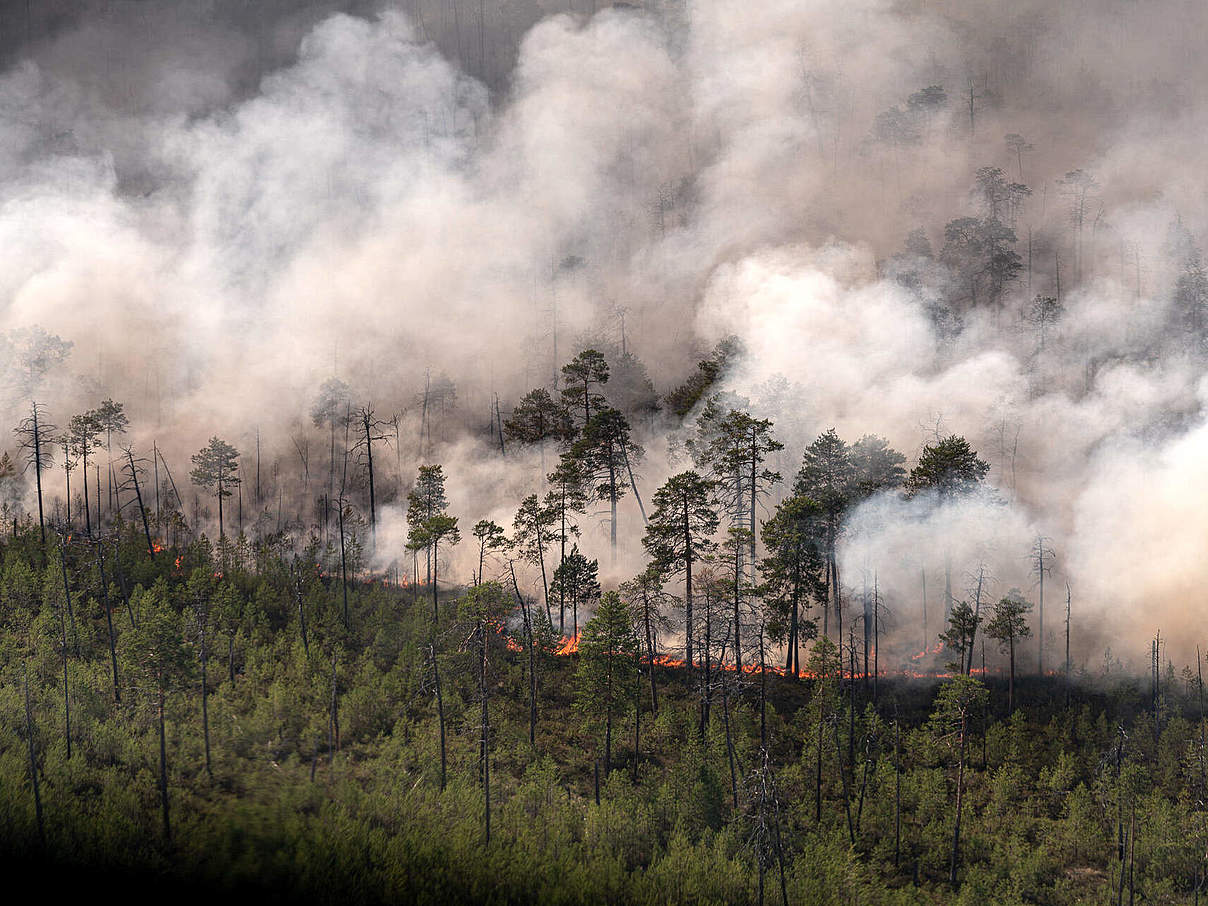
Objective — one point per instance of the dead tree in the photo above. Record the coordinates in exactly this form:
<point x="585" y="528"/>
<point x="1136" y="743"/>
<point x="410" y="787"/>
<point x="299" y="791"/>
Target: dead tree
<point x="33" y="434"/>
<point x="100" y="566"/>
<point x="1041" y="557"/>
<point x="369" y="430"/>
<point x="132" y="468"/>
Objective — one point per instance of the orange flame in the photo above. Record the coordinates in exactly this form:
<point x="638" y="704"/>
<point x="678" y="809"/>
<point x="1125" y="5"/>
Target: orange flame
<point x="569" y="645"/>
<point x="934" y="649"/>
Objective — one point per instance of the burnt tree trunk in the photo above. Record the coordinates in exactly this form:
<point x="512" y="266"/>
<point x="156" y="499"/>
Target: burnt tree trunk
<point x="138" y="496"/>
<point x="440" y="712"/>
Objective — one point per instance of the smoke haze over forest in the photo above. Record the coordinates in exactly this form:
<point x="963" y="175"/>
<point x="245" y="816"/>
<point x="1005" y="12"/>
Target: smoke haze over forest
<point x="221" y="205"/>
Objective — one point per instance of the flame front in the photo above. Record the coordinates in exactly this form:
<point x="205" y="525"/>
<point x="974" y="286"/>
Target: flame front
<point x="569" y="645"/>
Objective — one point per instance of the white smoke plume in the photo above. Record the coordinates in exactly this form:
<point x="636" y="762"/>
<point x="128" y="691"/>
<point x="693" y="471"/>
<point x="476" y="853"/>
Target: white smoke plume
<point x="222" y="210"/>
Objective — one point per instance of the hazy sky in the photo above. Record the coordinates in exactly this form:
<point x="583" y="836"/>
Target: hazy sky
<point x="222" y="203"/>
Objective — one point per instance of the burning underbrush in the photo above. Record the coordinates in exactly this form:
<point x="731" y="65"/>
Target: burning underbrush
<point x="568" y="646"/>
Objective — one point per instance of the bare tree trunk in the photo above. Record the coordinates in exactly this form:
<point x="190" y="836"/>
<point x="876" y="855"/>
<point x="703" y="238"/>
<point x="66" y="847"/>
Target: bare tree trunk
<point x="369" y="462"/>
<point x="100" y="563"/>
<point x="763" y="693"/>
<point x="344" y="564"/>
<point x="654" y="692"/>
<point x="38" y="478"/>
<point x="544" y="582"/>
<point x="981" y="572"/>
<point x="155" y="466"/>
<point x="633" y="484"/>
<point x="637" y="712"/>
<point x="205" y="701"/>
<point x="301" y="624"/>
<point x="851" y="830"/>
<point x="1011" y="681"/>
<point x="876" y="636"/>
<point x="607" y="731"/>
<point x="960" y="801"/>
<point x="87" y="510"/>
<point x="1069" y="597"/>
<point x="818" y="764"/>
<point x="435" y="606"/>
<point x="440" y="710"/>
<point x="33" y="760"/>
<point x="687" y="590"/>
<point x="138" y="496"/>
<point x="725" y="713"/>
<point x="532" y="667"/>
<point x="706" y="691"/>
<point x="612" y="498"/>
<point x="486" y="742"/>
<point x="67" y="599"/>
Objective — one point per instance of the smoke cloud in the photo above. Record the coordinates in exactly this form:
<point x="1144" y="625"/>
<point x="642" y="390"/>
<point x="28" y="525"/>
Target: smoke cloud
<point x="221" y="210"/>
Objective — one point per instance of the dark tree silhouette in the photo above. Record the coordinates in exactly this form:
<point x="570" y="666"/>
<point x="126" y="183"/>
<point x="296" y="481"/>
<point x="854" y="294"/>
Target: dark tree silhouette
<point x="679" y="534"/>
<point x="216" y="469"/>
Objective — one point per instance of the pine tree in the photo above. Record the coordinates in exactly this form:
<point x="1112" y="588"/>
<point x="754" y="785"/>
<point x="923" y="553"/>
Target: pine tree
<point x="216" y="469"/>
<point x="607" y="452"/>
<point x="958" y="699"/>
<point x="587" y="370"/>
<point x="679" y="535"/>
<point x="426" y="499"/>
<point x="1008" y="624"/>
<point x="791" y="571"/>
<point x="607" y="669"/>
<point x="566" y="498"/>
<point x="576" y="580"/>
<point x="532" y="533"/>
<point x="34" y="434"/>
<point x="826" y="477"/>
<point x="949" y="470"/>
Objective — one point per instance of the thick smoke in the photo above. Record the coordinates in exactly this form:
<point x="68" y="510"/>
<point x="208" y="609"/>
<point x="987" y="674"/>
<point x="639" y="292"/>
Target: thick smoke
<point x="222" y="210"/>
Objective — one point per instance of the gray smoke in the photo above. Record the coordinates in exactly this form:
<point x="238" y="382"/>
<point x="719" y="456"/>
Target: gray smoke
<point x="222" y="209"/>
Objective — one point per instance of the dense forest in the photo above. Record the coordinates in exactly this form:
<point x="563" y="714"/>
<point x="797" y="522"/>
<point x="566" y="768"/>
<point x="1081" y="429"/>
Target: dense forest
<point x="679" y="451"/>
<point x="264" y="714"/>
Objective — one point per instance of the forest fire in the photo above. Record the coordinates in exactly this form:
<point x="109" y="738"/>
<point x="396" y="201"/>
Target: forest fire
<point x="157" y="547"/>
<point x="934" y="649"/>
<point x="569" y="645"/>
